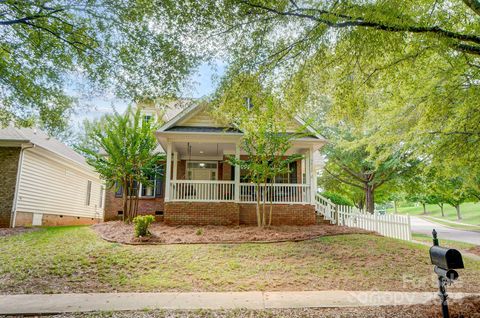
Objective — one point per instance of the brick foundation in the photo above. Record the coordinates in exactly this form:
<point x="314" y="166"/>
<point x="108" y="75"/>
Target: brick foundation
<point x="229" y="213"/>
<point x="201" y="213"/>
<point x="26" y="218"/>
<point x="9" y="157"/>
<point x="282" y="214"/>
<point x="145" y="206"/>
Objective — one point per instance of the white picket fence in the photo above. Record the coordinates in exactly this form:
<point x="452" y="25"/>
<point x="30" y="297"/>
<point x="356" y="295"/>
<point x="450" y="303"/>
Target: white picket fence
<point x="390" y="225"/>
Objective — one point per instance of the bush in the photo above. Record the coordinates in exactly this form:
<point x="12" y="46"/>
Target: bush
<point x="337" y="198"/>
<point x="141" y="224"/>
<point x="199" y="232"/>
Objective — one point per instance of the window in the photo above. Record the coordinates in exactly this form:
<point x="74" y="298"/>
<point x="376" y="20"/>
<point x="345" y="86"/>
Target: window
<point x="89" y="192"/>
<point x="289" y="177"/>
<point x="148" y="190"/>
<point x="147" y="118"/>
<point x="154" y="189"/>
<point x="100" y="204"/>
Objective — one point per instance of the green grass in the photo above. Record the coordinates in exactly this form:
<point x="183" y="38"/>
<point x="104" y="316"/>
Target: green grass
<point x="470" y="212"/>
<point x="75" y="259"/>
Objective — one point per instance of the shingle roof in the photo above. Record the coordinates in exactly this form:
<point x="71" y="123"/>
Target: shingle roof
<point x="41" y="139"/>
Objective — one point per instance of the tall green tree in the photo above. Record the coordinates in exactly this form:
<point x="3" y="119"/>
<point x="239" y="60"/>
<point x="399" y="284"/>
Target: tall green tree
<point x="52" y="51"/>
<point x="409" y="69"/>
<point x="122" y="148"/>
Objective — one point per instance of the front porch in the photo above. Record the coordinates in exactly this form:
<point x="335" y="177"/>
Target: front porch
<point x="200" y="172"/>
<point x="202" y="188"/>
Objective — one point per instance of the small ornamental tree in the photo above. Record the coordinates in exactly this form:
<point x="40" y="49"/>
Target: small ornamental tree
<point x="243" y="102"/>
<point x="122" y="149"/>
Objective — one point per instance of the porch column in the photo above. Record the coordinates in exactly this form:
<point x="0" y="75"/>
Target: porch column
<point x="175" y="165"/>
<point x="169" y="171"/>
<point x="237" y="174"/>
<point x="313" y="177"/>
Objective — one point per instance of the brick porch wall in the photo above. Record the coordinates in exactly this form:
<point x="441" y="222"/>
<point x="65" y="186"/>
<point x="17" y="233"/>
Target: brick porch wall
<point x="9" y="157"/>
<point x="145" y="206"/>
<point x="283" y="214"/>
<point x="201" y="213"/>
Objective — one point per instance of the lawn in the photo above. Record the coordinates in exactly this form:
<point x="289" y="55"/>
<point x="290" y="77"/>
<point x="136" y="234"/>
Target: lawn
<point x="470" y="212"/>
<point x="75" y="259"/>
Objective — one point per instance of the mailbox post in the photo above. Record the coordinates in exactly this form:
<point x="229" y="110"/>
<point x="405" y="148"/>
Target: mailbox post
<point x="446" y="261"/>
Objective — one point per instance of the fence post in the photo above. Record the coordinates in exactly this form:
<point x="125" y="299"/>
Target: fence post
<point x="409" y="228"/>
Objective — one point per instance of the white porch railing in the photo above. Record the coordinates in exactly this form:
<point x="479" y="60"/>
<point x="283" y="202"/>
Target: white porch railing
<point x="287" y="193"/>
<point x="204" y="191"/>
<point x="325" y="207"/>
<point x="224" y="191"/>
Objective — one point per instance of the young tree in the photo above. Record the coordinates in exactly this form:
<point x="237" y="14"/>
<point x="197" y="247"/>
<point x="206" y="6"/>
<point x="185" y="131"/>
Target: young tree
<point x="244" y="103"/>
<point x="122" y="148"/>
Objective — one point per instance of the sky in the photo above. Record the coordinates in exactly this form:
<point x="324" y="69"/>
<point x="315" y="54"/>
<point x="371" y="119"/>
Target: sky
<point x="204" y="84"/>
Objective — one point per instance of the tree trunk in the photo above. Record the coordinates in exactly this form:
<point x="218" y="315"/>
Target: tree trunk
<point x="369" y="198"/>
<point x="424" y="207"/>
<point x="459" y="216"/>
<point x="259" y="218"/>
<point x="271" y="205"/>
<point x="137" y="194"/>
<point x="130" y="199"/>
<point x="441" y="209"/>
<point x="395" y="206"/>
<point x="264" y="202"/>
<point x="125" y="199"/>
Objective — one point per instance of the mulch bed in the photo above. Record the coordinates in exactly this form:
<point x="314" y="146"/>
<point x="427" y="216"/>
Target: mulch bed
<point x="17" y="230"/>
<point x="467" y="307"/>
<point x="118" y="231"/>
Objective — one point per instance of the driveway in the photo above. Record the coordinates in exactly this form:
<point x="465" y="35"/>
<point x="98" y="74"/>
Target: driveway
<point x="423" y="226"/>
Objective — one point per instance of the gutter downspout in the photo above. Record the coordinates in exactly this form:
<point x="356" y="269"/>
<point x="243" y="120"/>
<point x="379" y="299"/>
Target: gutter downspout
<point x="17" y="184"/>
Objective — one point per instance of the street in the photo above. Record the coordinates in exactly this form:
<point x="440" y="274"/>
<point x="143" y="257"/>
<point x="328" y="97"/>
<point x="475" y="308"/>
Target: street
<point x="423" y="226"/>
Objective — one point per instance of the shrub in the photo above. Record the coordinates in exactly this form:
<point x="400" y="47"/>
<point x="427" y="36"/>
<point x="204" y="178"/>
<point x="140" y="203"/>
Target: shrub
<point x="199" y="232"/>
<point x="141" y="224"/>
<point x="337" y="198"/>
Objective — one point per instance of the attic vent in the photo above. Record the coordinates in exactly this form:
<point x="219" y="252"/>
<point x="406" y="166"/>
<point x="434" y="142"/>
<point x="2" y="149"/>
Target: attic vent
<point x="248" y="103"/>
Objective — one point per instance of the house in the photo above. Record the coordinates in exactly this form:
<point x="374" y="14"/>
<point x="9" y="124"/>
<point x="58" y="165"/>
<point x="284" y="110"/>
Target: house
<point x="199" y="187"/>
<point x="44" y="182"/>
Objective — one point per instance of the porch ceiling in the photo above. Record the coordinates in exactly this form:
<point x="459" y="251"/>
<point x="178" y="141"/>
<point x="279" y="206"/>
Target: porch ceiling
<point x="195" y="149"/>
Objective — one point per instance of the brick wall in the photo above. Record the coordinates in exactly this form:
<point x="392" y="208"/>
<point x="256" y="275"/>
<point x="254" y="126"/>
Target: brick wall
<point x="283" y="214"/>
<point x="201" y="213"/>
<point x="145" y="206"/>
<point x="9" y="157"/>
<point x="26" y="218"/>
<point x="226" y="170"/>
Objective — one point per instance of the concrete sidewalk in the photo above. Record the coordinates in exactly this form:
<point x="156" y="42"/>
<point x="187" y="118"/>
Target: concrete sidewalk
<point x="57" y="303"/>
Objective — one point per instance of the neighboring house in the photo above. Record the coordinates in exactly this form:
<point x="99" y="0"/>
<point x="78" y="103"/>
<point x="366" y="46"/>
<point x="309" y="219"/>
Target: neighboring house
<point x="200" y="187"/>
<point x="44" y="182"/>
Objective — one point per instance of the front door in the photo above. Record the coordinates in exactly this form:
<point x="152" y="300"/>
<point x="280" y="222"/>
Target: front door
<point x="203" y="174"/>
<point x="202" y="170"/>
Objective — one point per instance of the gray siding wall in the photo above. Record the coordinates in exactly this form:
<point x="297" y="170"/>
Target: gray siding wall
<point x="9" y="158"/>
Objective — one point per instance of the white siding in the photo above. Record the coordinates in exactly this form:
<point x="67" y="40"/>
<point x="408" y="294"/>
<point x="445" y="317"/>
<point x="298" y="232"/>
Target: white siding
<point x="52" y="185"/>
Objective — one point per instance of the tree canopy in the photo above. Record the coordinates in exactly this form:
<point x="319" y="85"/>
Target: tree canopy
<point x="47" y="46"/>
<point x="405" y="72"/>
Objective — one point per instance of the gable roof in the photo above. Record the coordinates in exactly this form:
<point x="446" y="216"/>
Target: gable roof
<point x="41" y="139"/>
<point x="175" y="124"/>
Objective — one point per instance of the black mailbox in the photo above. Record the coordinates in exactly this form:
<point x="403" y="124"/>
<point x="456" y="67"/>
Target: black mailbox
<point x="446" y="258"/>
